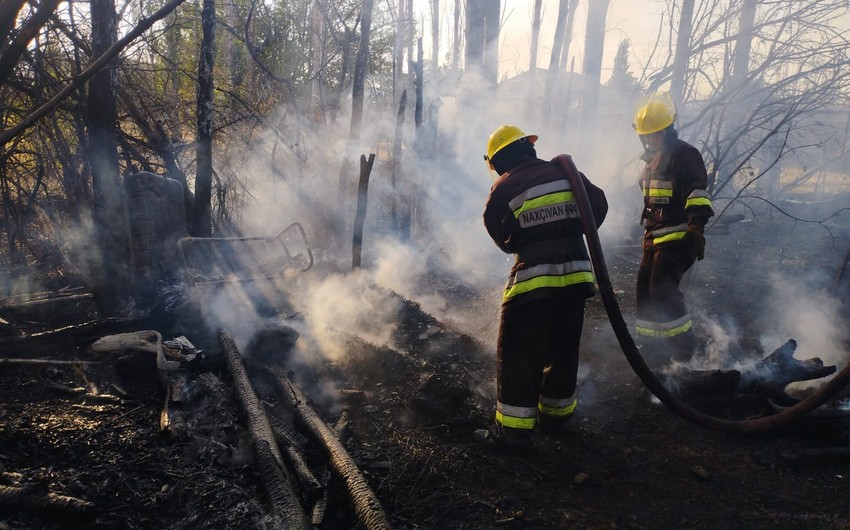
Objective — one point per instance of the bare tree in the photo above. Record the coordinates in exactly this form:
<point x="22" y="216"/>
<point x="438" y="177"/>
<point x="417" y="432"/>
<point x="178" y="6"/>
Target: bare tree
<point x="568" y="36"/>
<point x="553" y="75"/>
<point x="536" y="16"/>
<point x="110" y="217"/>
<point x="760" y="78"/>
<point x="592" y="65"/>
<point x="457" y="40"/>
<point x="9" y="57"/>
<point x="398" y="49"/>
<point x="683" y="52"/>
<point x="482" y="37"/>
<point x="360" y="68"/>
<point x="202" y="218"/>
<point x="435" y="35"/>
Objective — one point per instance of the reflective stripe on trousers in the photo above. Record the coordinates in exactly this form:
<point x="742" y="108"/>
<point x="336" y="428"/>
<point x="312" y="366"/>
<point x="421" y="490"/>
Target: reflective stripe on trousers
<point x="557" y="407"/>
<point x="663" y="329"/>
<point x="516" y="417"/>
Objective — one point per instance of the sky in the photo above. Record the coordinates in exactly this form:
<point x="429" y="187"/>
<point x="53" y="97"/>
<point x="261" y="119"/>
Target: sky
<point x="636" y="20"/>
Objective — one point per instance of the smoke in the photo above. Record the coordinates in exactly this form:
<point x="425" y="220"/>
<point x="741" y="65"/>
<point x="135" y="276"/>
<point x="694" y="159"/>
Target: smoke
<point x="810" y="315"/>
<point x="350" y="303"/>
<point x="793" y="307"/>
<point x="722" y="343"/>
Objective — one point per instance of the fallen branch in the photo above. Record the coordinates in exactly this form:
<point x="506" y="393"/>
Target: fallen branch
<point x="308" y="481"/>
<point x="767" y="377"/>
<point x="366" y="504"/>
<point x="30" y="498"/>
<point x="89" y="72"/>
<point x="51" y="298"/>
<point x="321" y="505"/>
<point x="44" y="361"/>
<point x="773" y="373"/>
<point x="276" y="480"/>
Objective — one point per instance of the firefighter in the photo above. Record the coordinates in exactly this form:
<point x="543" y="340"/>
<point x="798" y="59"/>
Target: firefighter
<point x="531" y="212"/>
<point x="676" y="209"/>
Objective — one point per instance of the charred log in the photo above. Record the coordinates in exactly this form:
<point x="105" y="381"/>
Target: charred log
<point x="274" y="475"/>
<point x="366" y="504"/>
<point x="768" y="377"/>
<point x="42" y="362"/>
<point x="698" y="384"/>
<point x="321" y="504"/>
<point x="32" y="499"/>
<point x="772" y="374"/>
<point x="360" y="215"/>
<point x="290" y="444"/>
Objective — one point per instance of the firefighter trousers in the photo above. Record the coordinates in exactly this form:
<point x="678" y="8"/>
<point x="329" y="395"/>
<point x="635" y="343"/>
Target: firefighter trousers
<point x="664" y="328"/>
<point x="538" y="354"/>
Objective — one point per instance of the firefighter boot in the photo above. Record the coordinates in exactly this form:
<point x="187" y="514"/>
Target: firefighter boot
<point x="504" y="439"/>
<point x="684" y="347"/>
<point x="553" y="425"/>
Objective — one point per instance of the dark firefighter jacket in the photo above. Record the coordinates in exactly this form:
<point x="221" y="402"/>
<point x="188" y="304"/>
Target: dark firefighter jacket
<point x="531" y="212"/>
<point x="674" y="194"/>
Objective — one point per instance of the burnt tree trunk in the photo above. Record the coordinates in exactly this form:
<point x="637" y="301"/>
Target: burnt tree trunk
<point x="683" y="53"/>
<point x="418" y="85"/>
<point x="490" y="65"/>
<point x="456" y="35"/>
<point x="568" y="37"/>
<point x="276" y="480"/>
<point x="553" y="74"/>
<point x="398" y="50"/>
<point x="395" y="209"/>
<point x="767" y="377"/>
<point x="360" y="216"/>
<point x="23" y="38"/>
<point x="435" y="36"/>
<point x="592" y="65"/>
<point x="370" y="513"/>
<point x="357" y="92"/>
<point x="535" y="34"/>
<point x="110" y="218"/>
<point x="9" y="10"/>
<point x="360" y="66"/>
<point x="202" y="216"/>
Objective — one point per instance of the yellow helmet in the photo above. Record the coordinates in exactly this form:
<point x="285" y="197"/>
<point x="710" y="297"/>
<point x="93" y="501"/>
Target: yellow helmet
<point x="653" y="117"/>
<point x="503" y="137"/>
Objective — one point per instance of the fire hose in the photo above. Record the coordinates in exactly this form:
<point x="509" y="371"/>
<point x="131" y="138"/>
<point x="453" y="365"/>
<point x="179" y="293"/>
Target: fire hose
<point x="630" y="350"/>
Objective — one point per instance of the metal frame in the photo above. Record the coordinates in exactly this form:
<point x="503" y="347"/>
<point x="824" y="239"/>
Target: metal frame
<point x="277" y="238"/>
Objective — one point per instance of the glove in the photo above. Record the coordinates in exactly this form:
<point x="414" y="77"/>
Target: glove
<point x="696" y="235"/>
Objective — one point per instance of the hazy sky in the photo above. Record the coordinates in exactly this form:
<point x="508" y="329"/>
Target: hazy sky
<point x="636" y="20"/>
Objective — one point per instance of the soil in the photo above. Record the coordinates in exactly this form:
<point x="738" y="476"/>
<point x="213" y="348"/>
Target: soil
<point x="92" y="432"/>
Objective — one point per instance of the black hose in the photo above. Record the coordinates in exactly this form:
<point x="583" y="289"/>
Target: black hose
<point x="621" y="330"/>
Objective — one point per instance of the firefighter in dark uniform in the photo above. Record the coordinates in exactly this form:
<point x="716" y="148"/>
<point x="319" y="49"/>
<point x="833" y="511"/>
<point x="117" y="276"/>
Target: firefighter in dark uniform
<point x="676" y="209"/>
<point x="531" y="212"/>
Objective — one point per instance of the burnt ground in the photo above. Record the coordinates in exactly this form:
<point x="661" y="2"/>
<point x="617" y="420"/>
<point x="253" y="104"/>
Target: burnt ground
<point x="92" y="432"/>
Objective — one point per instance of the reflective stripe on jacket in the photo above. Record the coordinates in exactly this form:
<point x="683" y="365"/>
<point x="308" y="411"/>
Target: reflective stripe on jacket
<point x="674" y="189"/>
<point x="532" y="212"/>
<point x="548" y="275"/>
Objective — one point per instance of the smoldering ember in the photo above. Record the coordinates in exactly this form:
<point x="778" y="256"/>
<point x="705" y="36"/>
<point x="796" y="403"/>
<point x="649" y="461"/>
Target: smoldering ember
<point x="246" y="280"/>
